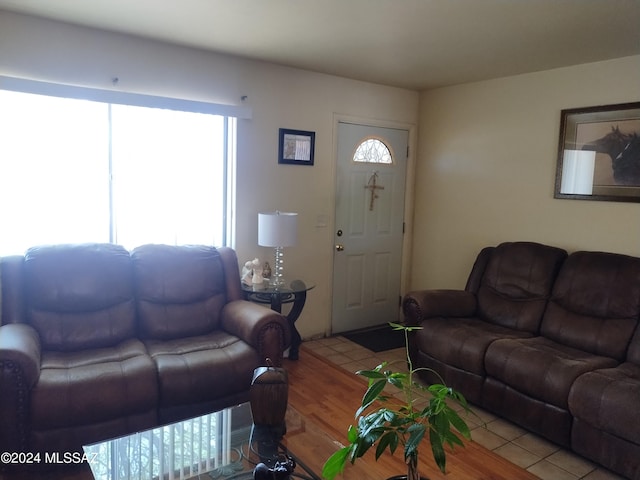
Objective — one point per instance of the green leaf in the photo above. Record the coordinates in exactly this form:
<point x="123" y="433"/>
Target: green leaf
<point x="438" y="390"/>
<point x="397" y="382"/>
<point x="335" y="463"/>
<point x="416" y="433"/>
<point x="371" y="395"/>
<point x="437" y="450"/>
<point x="395" y="440"/>
<point x="452" y="439"/>
<point x="362" y="446"/>
<point x="459" y="423"/>
<point x="389" y="415"/>
<point x="352" y="434"/>
<point x="370" y="428"/>
<point x="370" y="374"/>
<point x="388" y="440"/>
<point x="407" y="328"/>
<point x="458" y="397"/>
<point x="440" y="422"/>
<point x="371" y="422"/>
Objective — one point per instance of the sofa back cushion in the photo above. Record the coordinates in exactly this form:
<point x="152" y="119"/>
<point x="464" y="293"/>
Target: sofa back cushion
<point x="633" y="352"/>
<point x="516" y="284"/>
<point x="79" y="296"/>
<point x="180" y="290"/>
<point x="595" y="303"/>
<point x="11" y="290"/>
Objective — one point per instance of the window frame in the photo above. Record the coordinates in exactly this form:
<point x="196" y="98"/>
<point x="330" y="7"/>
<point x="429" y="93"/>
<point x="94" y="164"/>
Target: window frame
<point x="231" y="114"/>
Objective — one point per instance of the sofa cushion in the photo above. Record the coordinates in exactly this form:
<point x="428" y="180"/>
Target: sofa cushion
<point x="93" y="385"/>
<point x="595" y="303"/>
<point x="180" y="290"/>
<point x="461" y="342"/>
<point x="79" y="296"/>
<point x="633" y="352"/>
<point x="608" y="399"/>
<point x="540" y="368"/>
<point x="202" y="368"/>
<point x="516" y="284"/>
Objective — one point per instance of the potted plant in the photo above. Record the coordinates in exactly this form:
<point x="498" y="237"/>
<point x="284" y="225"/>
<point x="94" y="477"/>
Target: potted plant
<point x="396" y="420"/>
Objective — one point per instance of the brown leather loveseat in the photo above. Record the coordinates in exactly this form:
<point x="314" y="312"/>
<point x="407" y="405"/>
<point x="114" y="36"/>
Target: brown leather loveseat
<point x="547" y="340"/>
<point x="97" y="342"/>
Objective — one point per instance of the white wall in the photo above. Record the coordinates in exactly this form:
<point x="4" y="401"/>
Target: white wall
<point x="279" y="97"/>
<point x="486" y="170"/>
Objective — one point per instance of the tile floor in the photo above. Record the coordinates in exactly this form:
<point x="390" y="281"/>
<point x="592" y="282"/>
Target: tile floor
<point x="540" y="457"/>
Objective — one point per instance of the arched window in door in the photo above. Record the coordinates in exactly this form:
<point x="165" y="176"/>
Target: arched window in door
<point x="372" y="150"/>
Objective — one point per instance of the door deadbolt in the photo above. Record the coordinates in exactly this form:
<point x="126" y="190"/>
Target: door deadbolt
<point x="339" y="233"/>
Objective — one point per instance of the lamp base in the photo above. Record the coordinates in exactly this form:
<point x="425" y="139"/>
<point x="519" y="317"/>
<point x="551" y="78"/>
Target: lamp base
<point x="277" y="283"/>
<point x="277" y="279"/>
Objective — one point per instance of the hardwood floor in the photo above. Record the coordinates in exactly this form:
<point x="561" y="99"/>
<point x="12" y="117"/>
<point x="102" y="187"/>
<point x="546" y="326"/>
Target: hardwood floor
<point x="326" y="398"/>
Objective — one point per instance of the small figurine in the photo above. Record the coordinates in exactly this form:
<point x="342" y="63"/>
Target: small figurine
<point x="252" y="272"/>
<point x="257" y="272"/>
<point x="247" y="273"/>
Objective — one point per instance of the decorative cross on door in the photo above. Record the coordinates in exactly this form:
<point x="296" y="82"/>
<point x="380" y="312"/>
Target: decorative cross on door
<point x="372" y="187"/>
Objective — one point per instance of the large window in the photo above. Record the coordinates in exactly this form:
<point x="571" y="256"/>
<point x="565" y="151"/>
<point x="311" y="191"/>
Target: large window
<point x="75" y="170"/>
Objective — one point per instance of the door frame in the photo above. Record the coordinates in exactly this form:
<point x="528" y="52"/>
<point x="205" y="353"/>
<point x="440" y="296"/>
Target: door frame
<point x="409" y="196"/>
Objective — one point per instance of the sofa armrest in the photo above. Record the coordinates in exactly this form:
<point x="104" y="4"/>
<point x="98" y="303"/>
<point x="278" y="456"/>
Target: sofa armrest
<point x="422" y="304"/>
<point x="264" y="329"/>
<point x="20" y="346"/>
<point x="19" y="371"/>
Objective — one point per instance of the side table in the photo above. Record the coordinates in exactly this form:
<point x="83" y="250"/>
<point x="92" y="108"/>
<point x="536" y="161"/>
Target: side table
<point x="293" y="292"/>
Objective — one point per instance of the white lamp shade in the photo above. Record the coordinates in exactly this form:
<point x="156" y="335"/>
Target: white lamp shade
<point x="277" y="229"/>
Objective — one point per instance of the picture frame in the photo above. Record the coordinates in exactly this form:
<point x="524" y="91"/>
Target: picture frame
<point x="599" y="153"/>
<point x="296" y="147"/>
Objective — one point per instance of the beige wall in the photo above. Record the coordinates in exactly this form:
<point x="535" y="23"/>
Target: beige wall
<point x="485" y="166"/>
<point x="278" y="96"/>
<point x="486" y="170"/>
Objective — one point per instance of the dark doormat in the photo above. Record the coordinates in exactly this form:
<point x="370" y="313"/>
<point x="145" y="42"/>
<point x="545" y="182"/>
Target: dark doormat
<point x="377" y="339"/>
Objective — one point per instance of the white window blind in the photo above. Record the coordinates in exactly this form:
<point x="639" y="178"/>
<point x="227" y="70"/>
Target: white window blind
<point x="75" y="170"/>
<point x="168" y="176"/>
<point x="54" y="170"/>
<point x="179" y="451"/>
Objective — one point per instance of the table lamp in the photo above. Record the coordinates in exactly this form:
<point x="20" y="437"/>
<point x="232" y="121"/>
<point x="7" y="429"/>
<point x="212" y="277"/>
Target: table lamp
<point x="279" y="230"/>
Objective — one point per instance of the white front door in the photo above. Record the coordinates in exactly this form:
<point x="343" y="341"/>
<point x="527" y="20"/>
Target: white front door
<point x="371" y="174"/>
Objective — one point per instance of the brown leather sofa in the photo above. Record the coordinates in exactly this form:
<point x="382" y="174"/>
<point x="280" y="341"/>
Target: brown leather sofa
<point x="547" y="340"/>
<point x="97" y="342"/>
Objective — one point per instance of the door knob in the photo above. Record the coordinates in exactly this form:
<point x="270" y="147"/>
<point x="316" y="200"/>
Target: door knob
<point x="339" y="247"/>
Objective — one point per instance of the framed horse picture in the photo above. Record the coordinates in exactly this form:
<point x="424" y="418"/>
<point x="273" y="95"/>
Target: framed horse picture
<point x="599" y="153"/>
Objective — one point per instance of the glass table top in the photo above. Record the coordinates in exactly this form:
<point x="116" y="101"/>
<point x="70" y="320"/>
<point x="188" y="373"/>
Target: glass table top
<point x="224" y="445"/>
<point x="293" y="286"/>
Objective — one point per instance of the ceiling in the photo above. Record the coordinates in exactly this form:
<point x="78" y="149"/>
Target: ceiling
<point x="416" y="44"/>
